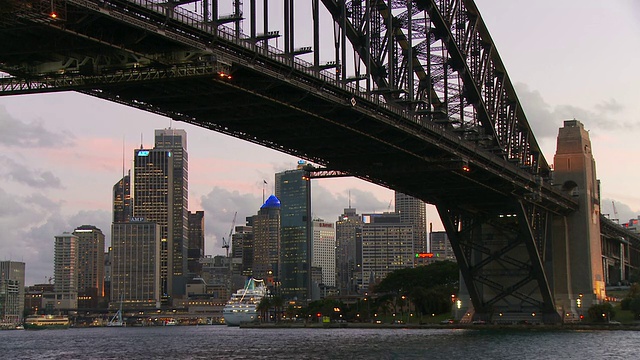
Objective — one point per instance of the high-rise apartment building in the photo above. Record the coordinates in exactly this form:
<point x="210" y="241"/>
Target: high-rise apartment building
<point x="387" y="245"/>
<point x="122" y="208"/>
<point x="135" y="264"/>
<point x="348" y="259"/>
<point x="65" y="272"/>
<point x="11" y="292"/>
<point x="242" y="250"/>
<point x="196" y="244"/>
<point x="294" y="191"/>
<point x="175" y="141"/>
<point x="266" y="240"/>
<point x="90" y="266"/>
<point x="324" y="250"/>
<point x="413" y="211"/>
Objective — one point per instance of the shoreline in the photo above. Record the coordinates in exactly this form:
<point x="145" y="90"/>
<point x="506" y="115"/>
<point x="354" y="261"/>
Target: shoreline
<point x="497" y="327"/>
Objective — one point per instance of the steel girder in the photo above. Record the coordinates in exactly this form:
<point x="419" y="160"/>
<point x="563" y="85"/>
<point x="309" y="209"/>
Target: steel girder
<point x="453" y="76"/>
<point x="502" y="252"/>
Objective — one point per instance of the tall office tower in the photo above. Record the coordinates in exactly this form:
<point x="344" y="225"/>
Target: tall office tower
<point x="324" y="250"/>
<point x="387" y="245"/>
<point x="413" y="211"/>
<point x="122" y="199"/>
<point x="441" y="247"/>
<point x="175" y="140"/>
<point x="266" y="241"/>
<point x="90" y="266"/>
<point x="348" y="228"/>
<point x="135" y="265"/>
<point x="65" y="272"/>
<point x="294" y="191"/>
<point x="153" y="201"/>
<point x="196" y="243"/>
<point x="11" y="292"/>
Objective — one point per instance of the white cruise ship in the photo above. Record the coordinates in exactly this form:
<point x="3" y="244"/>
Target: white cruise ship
<point x="242" y="307"/>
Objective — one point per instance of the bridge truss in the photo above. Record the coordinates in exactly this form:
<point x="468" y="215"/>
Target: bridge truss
<point x="414" y="97"/>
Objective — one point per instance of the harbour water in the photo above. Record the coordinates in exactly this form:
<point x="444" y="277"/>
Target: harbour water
<point x="221" y="342"/>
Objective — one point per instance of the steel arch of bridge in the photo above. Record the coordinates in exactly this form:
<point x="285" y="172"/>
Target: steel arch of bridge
<point x="425" y="95"/>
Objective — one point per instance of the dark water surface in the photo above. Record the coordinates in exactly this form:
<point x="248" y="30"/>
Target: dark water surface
<point x="221" y="342"/>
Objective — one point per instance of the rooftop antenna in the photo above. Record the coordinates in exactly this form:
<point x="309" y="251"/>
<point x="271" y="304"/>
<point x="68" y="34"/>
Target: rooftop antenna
<point x="141" y="147"/>
<point x="349" y="199"/>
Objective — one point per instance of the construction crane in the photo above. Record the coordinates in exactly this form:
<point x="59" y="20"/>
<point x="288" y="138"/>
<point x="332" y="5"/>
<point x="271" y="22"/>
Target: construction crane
<point x="616" y="219"/>
<point x="225" y="243"/>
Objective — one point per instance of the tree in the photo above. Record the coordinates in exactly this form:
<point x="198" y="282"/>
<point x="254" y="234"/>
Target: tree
<point x="601" y="312"/>
<point x="263" y="307"/>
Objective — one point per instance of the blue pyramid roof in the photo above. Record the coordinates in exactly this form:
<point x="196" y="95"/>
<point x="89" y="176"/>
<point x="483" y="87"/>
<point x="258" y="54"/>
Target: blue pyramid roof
<point x="272" y="202"/>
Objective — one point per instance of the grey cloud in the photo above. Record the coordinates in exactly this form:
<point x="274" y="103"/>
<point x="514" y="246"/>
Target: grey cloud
<point x="624" y="212"/>
<point x="219" y="205"/>
<point x="34" y="134"/>
<point x="30" y="177"/>
<point x="545" y="119"/>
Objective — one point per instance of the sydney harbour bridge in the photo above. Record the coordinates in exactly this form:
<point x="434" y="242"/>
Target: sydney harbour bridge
<point x="408" y="94"/>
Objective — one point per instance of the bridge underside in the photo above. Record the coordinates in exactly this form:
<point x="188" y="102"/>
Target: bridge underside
<point x="496" y="214"/>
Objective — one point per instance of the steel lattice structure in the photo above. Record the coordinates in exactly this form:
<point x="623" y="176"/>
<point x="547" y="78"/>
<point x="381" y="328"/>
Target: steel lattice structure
<point x="415" y="98"/>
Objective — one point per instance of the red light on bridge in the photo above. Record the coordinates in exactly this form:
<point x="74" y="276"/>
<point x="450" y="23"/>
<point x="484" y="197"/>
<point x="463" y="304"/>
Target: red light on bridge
<point x="424" y="255"/>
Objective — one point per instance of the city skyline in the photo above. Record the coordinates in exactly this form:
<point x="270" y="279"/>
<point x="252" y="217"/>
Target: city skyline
<point x="63" y="152"/>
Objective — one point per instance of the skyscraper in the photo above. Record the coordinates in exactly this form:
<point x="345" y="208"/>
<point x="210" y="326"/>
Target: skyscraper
<point x="135" y="264"/>
<point x="413" y="211"/>
<point x="11" y="292"/>
<point x="387" y="245"/>
<point x="90" y="266"/>
<point x="153" y="199"/>
<point x="348" y="229"/>
<point x="196" y="243"/>
<point x="122" y="199"/>
<point x="175" y="140"/>
<point x="294" y="192"/>
<point x="266" y="240"/>
<point x="65" y="272"/>
<point x="324" y="250"/>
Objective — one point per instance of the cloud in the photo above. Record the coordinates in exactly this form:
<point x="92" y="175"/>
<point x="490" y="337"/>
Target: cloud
<point x="29" y="224"/>
<point x="16" y="133"/>
<point x="12" y="170"/>
<point x="623" y="212"/>
<point x="545" y="119"/>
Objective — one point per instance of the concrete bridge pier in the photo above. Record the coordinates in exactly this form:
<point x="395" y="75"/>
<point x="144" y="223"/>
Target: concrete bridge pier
<point x="577" y="279"/>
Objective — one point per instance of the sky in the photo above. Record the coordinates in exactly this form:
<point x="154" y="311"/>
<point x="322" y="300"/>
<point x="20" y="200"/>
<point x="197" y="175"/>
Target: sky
<point x="61" y="154"/>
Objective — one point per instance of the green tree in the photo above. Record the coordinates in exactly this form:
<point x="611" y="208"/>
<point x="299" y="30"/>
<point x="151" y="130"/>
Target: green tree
<point x="601" y="313"/>
<point x="263" y="307"/>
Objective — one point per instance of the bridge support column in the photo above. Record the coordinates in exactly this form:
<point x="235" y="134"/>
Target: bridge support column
<point x="578" y="279"/>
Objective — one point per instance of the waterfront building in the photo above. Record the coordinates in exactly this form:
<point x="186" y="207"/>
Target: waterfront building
<point x="414" y="212"/>
<point x="11" y="291"/>
<point x="216" y="272"/>
<point x="175" y="141"/>
<point x="135" y="264"/>
<point x="65" y="272"/>
<point x="196" y="243"/>
<point x="293" y="189"/>
<point x="90" y="266"/>
<point x="122" y="207"/>
<point x="633" y="225"/>
<point x="324" y="250"/>
<point x="348" y="259"/>
<point x="387" y="245"/>
<point x="39" y="298"/>
<point x="266" y="241"/>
